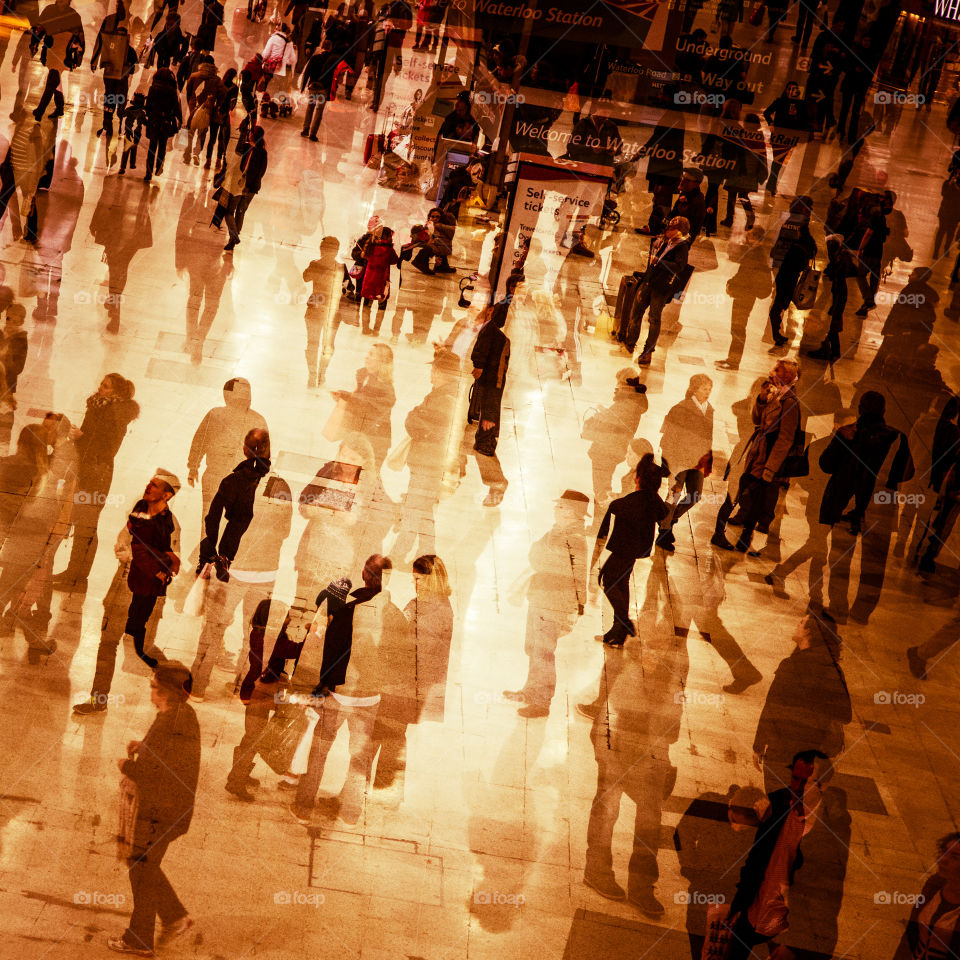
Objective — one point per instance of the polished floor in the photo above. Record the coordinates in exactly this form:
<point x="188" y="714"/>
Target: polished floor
<point x="481" y="851"/>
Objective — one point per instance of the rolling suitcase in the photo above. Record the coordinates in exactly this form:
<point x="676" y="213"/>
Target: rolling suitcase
<point x="629" y="285"/>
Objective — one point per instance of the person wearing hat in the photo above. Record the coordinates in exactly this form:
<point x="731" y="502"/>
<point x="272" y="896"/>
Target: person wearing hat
<point x="163" y="769"/>
<point x="147" y="548"/>
<point x="556" y="594"/>
<point x="668" y="261"/>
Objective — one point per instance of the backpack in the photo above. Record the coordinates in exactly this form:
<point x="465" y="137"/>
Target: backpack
<point x="200" y="118"/>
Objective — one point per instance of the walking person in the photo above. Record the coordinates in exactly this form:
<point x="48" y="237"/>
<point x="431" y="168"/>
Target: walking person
<point x="668" y="261"/>
<point x="490" y="358"/>
<point x="789" y="119"/>
<point x="164" y="118"/>
<point x="839" y="268"/>
<point x="686" y="446"/>
<point x="148" y="551"/>
<point x="163" y="768"/>
<point x="242" y="183"/>
<point x="801" y="248"/>
<point x="219" y="129"/>
<point x="279" y="56"/>
<point x="868" y="241"/>
<point x="61" y="25"/>
<point x="203" y="91"/>
<point x="635" y="518"/>
<point x="749" y="170"/>
<point x="315" y="82"/>
<point x="110" y="411"/>
<point x="379" y="256"/>
<point x="116" y="76"/>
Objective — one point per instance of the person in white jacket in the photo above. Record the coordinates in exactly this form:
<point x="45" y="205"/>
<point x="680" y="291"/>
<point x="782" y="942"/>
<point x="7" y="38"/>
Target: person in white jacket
<point x="279" y="55"/>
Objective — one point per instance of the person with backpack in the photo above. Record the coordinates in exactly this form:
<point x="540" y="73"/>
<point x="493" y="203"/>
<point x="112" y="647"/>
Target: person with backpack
<point x="164" y="119"/>
<point x="794" y="248"/>
<point x="116" y="76"/>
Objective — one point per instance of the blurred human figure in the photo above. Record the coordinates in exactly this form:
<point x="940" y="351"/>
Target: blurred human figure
<point x="368" y="408"/>
<point x="933" y="929"/>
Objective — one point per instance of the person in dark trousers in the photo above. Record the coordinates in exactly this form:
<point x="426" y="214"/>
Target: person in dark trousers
<point x="789" y="117"/>
<point x="690" y="203"/>
<point x="169" y="45"/>
<point x="858" y="69"/>
<point x="234" y="500"/>
<point x="116" y="77"/>
<point x="946" y="511"/>
<point x="855" y="458"/>
<point x="459" y="124"/>
<point x="251" y="168"/>
<point x="13" y="345"/>
<point x="635" y="518"/>
<point x="687" y="449"/>
<point x="749" y="170"/>
<point x="134" y="121"/>
<point x="868" y="241"/>
<point x="668" y="260"/>
<point x="758" y="912"/>
<point x="219" y="130"/>
<point x="149" y="547"/>
<point x="63" y="46"/>
<point x="776" y="418"/>
<point x="806" y="14"/>
<point x="801" y="250"/>
<point x="490" y="358"/>
<point x="164" y="118"/>
<point x="164" y="768"/>
<point x="110" y="411"/>
<point x="839" y="268"/>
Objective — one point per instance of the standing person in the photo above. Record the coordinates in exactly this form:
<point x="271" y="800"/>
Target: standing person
<point x="202" y="89"/>
<point x="134" y="120"/>
<point x="868" y="240"/>
<point x="367" y="409"/>
<point x="749" y="170"/>
<point x="218" y="437"/>
<point x="690" y="203"/>
<point x="635" y="518"/>
<point x="858" y="68"/>
<point x="242" y="183"/>
<point x="350" y="687"/>
<point x="933" y="930"/>
<point x="164" y="118"/>
<point x="219" y="131"/>
<point x="110" y="411"/>
<point x="776" y="417"/>
<point x="686" y="447"/>
<point x="116" y="76"/>
<point x="490" y="358"/>
<point x="430" y="617"/>
<point x="393" y="21"/>
<point x="806" y="14"/>
<point x="946" y="511"/>
<point x="556" y="599"/>
<point x="380" y="256"/>
<point x="801" y="248"/>
<point x="787" y="115"/>
<point x="315" y="82"/>
<point x="668" y="261"/>
<point x="170" y="44"/>
<point x="430" y="14"/>
<point x="279" y="55"/>
<point x="59" y="22"/>
<point x="148" y="548"/>
<point x="759" y="909"/>
<point x="13" y="345"/>
<point x="839" y="268"/>
<point x="164" y="768"/>
<point x="948" y="216"/>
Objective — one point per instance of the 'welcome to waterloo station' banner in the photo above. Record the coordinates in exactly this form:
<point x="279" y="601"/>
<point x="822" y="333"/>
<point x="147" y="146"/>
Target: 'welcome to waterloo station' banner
<point x="621" y="22"/>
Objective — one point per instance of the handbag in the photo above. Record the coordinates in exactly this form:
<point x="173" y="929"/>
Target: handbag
<point x="272" y="64"/>
<point x="805" y="292"/>
<point x="756" y="14"/>
<point x="127" y="825"/>
<point x="200" y="118"/>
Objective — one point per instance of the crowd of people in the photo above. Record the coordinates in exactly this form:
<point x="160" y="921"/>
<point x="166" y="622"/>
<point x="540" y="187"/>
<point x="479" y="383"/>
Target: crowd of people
<point x="343" y="653"/>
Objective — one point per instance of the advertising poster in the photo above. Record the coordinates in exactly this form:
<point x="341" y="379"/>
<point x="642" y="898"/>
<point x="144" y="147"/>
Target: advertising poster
<point x="553" y="201"/>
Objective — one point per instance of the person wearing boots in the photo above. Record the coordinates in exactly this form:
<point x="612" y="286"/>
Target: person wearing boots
<point x="490" y="358"/>
<point x="63" y="41"/>
<point x="668" y="259"/>
<point x="635" y="518"/>
<point x="839" y="268"/>
<point x="802" y="249"/>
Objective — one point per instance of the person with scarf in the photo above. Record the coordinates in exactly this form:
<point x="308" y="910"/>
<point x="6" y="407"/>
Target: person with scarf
<point x="242" y="183"/>
<point x="668" y="259"/>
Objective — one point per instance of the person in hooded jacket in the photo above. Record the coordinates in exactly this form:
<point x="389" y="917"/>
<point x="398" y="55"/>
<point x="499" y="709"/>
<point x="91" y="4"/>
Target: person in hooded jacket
<point x="279" y="56"/>
<point x="203" y="89"/>
<point x="164" y="118"/>
<point x="234" y="500"/>
<point x="110" y="411"/>
<point x="116" y="77"/>
<point x="855" y="458"/>
<point x="242" y="183"/>
<point x="170" y="44"/>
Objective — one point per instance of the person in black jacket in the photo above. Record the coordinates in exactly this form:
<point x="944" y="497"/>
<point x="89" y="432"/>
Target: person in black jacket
<point x="839" y="268"/>
<point x="758" y="912"/>
<point x="635" y="518"/>
<point x="170" y="44"/>
<point x="164" y="118"/>
<point x="315" y="82"/>
<point x="234" y="500"/>
<point x="110" y="411"/>
<point x="668" y="260"/>
<point x="116" y="77"/>
<point x="253" y="165"/>
<point x="802" y="249"/>
<point x="789" y="119"/>
<point x="490" y="358"/>
<point x="165" y="767"/>
<point x="148" y="550"/>
<point x="854" y="459"/>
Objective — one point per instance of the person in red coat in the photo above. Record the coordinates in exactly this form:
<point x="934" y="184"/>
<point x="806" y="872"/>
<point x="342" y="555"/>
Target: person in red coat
<point x="380" y="256"/>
